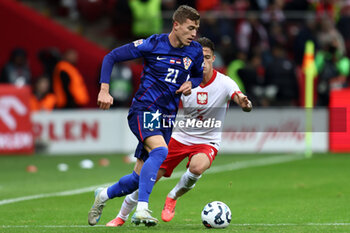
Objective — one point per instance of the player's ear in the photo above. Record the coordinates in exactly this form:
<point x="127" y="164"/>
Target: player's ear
<point x="214" y="57"/>
<point x="176" y="25"/>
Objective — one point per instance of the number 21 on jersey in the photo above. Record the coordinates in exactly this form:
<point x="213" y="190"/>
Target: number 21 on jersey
<point x="172" y="75"/>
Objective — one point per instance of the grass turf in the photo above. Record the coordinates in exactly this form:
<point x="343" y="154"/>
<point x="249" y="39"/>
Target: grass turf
<point x="309" y="195"/>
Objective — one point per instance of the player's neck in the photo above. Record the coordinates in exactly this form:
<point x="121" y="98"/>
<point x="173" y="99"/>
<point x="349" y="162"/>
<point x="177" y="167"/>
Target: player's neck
<point x="207" y="77"/>
<point x="174" y="41"/>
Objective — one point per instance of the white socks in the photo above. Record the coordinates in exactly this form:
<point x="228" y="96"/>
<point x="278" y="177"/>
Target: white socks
<point x="128" y="205"/>
<point x="186" y="183"/>
<point x="103" y="195"/>
<point x="141" y="205"/>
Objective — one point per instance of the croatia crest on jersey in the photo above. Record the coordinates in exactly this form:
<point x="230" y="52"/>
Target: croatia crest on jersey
<point x="202" y="98"/>
<point x="187" y="62"/>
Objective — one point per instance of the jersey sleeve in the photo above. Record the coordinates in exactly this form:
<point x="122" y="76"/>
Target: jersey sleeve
<point x="197" y="70"/>
<point x="231" y="88"/>
<point x="126" y="52"/>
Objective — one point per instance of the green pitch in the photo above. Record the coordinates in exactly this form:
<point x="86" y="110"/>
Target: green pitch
<point x="266" y="193"/>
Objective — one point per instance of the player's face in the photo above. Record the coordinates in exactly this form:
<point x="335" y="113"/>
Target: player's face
<point x="209" y="58"/>
<point x="187" y="31"/>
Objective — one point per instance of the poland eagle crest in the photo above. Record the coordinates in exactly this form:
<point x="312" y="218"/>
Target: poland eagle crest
<point x="202" y="98"/>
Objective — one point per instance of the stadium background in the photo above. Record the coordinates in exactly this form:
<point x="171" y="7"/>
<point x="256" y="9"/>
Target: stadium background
<point x="261" y="171"/>
<point x="247" y="34"/>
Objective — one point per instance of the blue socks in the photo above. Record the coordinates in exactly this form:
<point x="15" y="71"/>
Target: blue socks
<point x="126" y="185"/>
<point x="145" y="182"/>
<point x="149" y="172"/>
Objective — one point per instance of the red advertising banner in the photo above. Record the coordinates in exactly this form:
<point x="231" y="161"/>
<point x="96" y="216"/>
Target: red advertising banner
<point x="15" y="125"/>
<point x="339" y="118"/>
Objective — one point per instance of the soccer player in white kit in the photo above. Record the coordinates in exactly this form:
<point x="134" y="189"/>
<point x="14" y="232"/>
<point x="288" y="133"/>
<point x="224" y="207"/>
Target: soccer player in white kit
<point x="208" y="102"/>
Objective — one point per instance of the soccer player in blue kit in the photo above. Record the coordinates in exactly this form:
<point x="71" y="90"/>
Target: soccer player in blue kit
<point x="173" y="65"/>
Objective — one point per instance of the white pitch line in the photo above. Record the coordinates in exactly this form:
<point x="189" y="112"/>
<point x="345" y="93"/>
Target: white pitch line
<point x="232" y="224"/>
<point x="293" y="224"/>
<point x="255" y="163"/>
<point x="215" y="169"/>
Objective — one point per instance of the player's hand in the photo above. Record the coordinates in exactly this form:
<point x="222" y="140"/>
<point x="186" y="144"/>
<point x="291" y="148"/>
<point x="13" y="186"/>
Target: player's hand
<point x="245" y="103"/>
<point x="104" y="99"/>
<point x="185" y="88"/>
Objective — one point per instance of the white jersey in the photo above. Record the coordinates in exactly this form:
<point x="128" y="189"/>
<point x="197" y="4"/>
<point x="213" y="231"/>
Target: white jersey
<point x="204" y="111"/>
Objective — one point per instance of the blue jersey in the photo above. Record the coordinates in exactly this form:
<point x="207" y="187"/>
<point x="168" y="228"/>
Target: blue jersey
<point x="165" y="69"/>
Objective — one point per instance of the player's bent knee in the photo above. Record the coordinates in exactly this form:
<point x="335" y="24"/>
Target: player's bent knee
<point x="199" y="168"/>
<point x="161" y="152"/>
<point x="154" y="142"/>
<point x="199" y="163"/>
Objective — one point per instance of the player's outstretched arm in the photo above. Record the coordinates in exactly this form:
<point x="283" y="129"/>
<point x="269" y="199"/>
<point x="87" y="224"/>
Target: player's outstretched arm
<point x="185" y="88"/>
<point x="104" y="99"/>
<point x="243" y="101"/>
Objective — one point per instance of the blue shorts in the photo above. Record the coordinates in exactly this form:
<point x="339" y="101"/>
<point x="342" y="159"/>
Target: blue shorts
<point x="138" y="125"/>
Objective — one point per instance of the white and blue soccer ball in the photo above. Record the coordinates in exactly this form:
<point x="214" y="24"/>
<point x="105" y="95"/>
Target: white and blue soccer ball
<point x="216" y="214"/>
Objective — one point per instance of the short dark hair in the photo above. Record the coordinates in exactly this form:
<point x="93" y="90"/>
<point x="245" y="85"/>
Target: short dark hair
<point x="184" y="12"/>
<point x="206" y="42"/>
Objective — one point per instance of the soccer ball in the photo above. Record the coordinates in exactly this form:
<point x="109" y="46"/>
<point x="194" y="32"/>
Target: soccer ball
<point x="216" y="214"/>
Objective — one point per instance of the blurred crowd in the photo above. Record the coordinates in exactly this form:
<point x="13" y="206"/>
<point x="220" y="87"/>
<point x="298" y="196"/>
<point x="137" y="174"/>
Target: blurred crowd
<point x="61" y="84"/>
<point x="259" y="43"/>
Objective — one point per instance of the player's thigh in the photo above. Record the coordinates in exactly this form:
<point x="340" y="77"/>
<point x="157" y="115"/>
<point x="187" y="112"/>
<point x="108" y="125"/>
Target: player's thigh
<point x="154" y="141"/>
<point x="176" y="153"/>
<point x="199" y="163"/>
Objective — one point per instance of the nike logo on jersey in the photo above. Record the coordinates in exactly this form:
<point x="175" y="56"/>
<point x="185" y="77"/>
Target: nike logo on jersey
<point x="153" y="180"/>
<point x="160" y="58"/>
